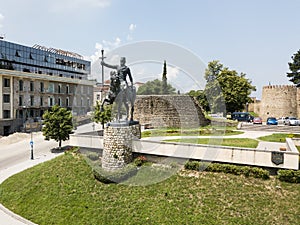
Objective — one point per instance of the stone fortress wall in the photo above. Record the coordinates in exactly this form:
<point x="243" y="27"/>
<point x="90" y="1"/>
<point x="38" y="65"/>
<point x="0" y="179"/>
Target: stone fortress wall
<point x="279" y="101"/>
<point x="169" y="111"/>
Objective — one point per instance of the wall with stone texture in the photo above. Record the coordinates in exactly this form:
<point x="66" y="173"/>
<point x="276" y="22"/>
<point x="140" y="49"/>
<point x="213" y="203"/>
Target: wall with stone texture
<point x="169" y="111"/>
<point x="280" y="101"/>
<point x="117" y="145"/>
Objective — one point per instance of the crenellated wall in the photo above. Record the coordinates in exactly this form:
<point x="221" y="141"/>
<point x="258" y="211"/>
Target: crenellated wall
<point x="280" y="101"/>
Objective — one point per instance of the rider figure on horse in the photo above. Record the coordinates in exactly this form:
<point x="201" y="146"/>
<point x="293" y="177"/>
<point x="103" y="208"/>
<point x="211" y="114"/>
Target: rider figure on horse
<point x="120" y="90"/>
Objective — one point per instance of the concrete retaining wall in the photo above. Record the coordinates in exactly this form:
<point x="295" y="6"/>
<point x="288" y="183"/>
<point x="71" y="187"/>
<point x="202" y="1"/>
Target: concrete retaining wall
<point x="255" y="157"/>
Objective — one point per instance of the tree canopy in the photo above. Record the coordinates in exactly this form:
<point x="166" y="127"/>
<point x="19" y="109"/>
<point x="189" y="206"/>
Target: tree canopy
<point x="102" y="116"/>
<point x="294" y="67"/>
<point x="57" y="124"/>
<point x="226" y="90"/>
<point x="154" y="87"/>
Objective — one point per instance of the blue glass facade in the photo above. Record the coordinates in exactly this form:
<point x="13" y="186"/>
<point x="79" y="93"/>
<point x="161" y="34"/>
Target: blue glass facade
<point x="42" y="60"/>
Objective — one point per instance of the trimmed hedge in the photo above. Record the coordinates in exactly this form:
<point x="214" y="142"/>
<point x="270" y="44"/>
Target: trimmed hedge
<point x="291" y="176"/>
<point x="115" y="176"/>
<point x="228" y="168"/>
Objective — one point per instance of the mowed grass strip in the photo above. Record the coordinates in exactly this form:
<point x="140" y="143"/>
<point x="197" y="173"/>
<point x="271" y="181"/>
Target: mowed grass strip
<point x="233" y="142"/>
<point x="206" y="131"/>
<point x="64" y="191"/>
<point x="278" y="137"/>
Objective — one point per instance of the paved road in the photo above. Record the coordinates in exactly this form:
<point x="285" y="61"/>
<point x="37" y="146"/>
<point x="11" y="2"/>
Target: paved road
<point x="271" y="128"/>
<point x="15" y="148"/>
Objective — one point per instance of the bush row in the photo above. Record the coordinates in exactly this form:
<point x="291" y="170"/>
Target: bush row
<point x="291" y="176"/>
<point x="228" y="168"/>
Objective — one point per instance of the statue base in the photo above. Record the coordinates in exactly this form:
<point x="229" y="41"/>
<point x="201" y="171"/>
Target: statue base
<point x="117" y="144"/>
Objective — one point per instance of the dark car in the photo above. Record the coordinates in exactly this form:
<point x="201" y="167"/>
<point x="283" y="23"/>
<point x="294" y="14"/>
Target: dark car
<point x="257" y="120"/>
<point x="242" y="116"/>
<point x="272" y="121"/>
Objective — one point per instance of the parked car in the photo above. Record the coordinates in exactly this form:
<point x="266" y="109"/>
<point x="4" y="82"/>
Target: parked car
<point x="281" y="120"/>
<point x="272" y="121"/>
<point x="242" y="116"/>
<point x="257" y="120"/>
<point x="291" y="121"/>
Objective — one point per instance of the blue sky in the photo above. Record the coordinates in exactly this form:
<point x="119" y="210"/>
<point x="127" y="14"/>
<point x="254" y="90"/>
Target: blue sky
<point x="254" y="37"/>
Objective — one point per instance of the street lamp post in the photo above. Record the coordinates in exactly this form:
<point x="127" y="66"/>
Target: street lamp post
<point x="31" y="138"/>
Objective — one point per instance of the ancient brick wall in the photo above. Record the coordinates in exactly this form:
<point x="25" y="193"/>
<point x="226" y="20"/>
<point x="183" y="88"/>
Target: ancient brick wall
<point x="169" y="111"/>
<point x="279" y="101"/>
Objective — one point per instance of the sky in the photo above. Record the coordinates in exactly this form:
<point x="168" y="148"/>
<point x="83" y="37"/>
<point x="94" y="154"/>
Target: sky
<point x="255" y="37"/>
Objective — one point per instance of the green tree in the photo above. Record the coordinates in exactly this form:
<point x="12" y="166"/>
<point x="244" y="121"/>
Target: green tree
<point x="294" y="67"/>
<point x="199" y="95"/>
<point x="154" y="87"/>
<point x="164" y="80"/>
<point x="102" y="116"/>
<point x="57" y="124"/>
<point x="226" y="88"/>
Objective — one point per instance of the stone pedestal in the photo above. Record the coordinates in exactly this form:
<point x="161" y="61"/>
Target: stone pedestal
<point x="117" y="144"/>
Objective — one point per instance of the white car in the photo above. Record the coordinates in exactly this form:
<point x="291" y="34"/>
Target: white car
<point x="292" y="121"/>
<point x="281" y="120"/>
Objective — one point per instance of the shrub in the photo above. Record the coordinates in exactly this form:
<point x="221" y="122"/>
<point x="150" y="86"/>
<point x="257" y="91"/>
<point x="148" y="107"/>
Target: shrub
<point x="140" y="160"/>
<point x="291" y="176"/>
<point x="192" y="165"/>
<point x="228" y="168"/>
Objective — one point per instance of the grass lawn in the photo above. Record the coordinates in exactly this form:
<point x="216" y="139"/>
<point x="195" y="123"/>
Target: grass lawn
<point x="203" y="131"/>
<point x="278" y="137"/>
<point x="234" y="142"/>
<point x="64" y="191"/>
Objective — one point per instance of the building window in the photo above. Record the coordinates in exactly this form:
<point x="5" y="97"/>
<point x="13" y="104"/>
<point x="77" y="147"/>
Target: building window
<point x="98" y="97"/>
<point x="20" y="100"/>
<point x="59" y="88"/>
<point x="6" y="82"/>
<point x="88" y="102"/>
<point x="67" y="89"/>
<point x="31" y="56"/>
<point x="42" y="86"/>
<point x="21" y="114"/>
<point x="51" y="88"/>
<point x="67" y="101"/>
<point x="6" y="98"/>
<point x="21" y="85"/>
<point x="31" y="86"/>
<point x="6" y="114"/>
<point x="18" y="54"/>
<point x="50" y="101"/>
<point x="81" y="102"/>
<point x="31" y="100"/>
<point x="59" y="101"/>
<point x="41" y="101"/>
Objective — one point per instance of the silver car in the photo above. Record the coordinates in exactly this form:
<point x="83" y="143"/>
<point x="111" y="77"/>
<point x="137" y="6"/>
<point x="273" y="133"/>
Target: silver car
<point x="291" y="121"/>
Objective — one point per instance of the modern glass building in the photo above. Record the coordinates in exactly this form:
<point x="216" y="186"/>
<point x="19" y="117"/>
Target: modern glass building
<point x="33" y="79"/>
<point x="42" y="60"/>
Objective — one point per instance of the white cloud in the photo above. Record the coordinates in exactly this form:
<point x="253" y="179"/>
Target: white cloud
<point x="172" y="72"/>
<point x="132" y="27"/>
<point x="62" y="5"/>
<point x="106" y="46"/>
<point x="1" y="20"/>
